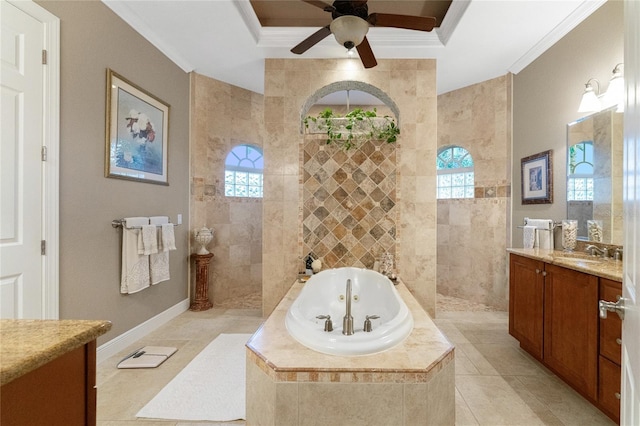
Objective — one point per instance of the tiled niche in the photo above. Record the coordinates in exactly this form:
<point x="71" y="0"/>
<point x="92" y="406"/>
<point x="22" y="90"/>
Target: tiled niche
<point x="349" y="202"/>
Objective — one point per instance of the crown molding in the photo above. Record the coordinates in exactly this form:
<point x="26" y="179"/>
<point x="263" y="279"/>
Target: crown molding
<point x="585" y="9"/>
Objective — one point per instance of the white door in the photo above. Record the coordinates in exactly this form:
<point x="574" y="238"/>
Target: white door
<point x="630" y="409"/>
<point x="22" y="292"/>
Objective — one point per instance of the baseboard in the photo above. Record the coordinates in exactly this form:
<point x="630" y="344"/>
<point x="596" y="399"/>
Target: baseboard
<point x="113" y="346"/>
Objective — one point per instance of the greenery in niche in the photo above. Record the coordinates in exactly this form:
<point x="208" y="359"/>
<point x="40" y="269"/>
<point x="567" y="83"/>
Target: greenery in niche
<point x="354" y="128"/>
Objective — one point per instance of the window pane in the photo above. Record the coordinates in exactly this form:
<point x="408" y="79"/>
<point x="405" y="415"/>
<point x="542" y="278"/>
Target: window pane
<point x="457" y="192"/>
<point x="242" y="178"/>
<point x="468" y="179"/>
<point x="255" y="179"/>
<point x="457" y="179"/>
<point x="255" y="191"/>
<point x="469" y="192"/>
<point x="444" y="180"/>
<point x="228" y="190"/>
<point x="241" y="191"/>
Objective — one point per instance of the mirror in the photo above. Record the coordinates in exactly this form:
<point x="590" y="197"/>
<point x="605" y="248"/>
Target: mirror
<point x="594" y="176"/>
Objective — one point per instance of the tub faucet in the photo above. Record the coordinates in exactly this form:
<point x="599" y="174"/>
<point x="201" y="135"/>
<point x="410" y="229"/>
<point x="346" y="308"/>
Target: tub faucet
<point x="347" y="321"/>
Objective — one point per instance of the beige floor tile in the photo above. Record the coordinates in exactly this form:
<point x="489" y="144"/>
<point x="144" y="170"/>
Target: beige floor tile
<point x="464" y="416"/>
<point x="493" y="402"/>
<point x="477" y="359"/>
<point x="508" y="360"/>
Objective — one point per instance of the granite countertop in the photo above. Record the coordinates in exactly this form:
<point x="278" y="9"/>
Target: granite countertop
<point x="28" y="344"/>
<point x="578" y="261"/>
<point x="423" y="349"/>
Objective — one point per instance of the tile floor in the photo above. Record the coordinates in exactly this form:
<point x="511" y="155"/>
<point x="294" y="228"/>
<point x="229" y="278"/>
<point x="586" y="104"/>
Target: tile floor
<point x="496" y="382"/>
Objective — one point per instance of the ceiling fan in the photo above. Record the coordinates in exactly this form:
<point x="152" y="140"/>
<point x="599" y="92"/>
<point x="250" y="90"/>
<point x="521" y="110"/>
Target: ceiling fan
<point x="351" y="21"/>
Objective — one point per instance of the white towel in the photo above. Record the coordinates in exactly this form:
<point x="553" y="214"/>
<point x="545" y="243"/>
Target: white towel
<point x="158" y="220"/>
<point x="148" y="240"/>
<point x="159" y="262"/>
<point x="529" y="236"/>
<point x="544" y="232"/>
<point x="167" y="237"/>
<point x="135" y="267"/>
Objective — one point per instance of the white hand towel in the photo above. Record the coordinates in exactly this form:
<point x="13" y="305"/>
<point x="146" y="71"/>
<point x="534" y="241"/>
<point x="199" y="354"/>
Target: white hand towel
<point x="159" y="262"/>
<point x="148" y="240"/>
<point x="544" y="233"/>
<point x="135" y="267"/>
<point x="132" y="222"/>
<point x="168" y="237"/>
<point x="158" y="220"/>
<point x="529" y="236"/>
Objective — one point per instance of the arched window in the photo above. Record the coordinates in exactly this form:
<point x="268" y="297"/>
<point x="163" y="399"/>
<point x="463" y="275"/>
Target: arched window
<point x="243" y="172"/>
<point x="580" y="172"/>
<point x="455" y="173"/>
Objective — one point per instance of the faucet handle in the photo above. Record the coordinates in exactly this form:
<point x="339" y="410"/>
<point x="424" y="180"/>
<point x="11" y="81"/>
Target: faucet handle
<point x="367" y="322"/>
<point x="328" y="324"/>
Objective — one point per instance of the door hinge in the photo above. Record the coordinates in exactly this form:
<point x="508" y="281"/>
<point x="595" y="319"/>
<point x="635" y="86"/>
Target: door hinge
<point x="43" y="247"/>
<point x="43" y="153"/>
<point x="44" y="57"/>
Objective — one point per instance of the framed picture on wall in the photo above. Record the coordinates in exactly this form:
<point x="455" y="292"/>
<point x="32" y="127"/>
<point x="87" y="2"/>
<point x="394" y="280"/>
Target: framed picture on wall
<point x="537" y="178"/>
<point x="137" y="129"/>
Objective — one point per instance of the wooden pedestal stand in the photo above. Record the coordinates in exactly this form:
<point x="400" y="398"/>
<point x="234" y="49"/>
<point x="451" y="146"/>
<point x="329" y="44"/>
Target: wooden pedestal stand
<point x="201" y="300"/>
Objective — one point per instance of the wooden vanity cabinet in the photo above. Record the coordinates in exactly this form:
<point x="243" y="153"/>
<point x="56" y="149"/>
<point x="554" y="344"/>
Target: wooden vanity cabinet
<point x="526" y="290"/>
<point x="571" y="327"/>
<point x="61" y="392"/>
<point x="610" y="352"/>
<point x="553" y="313"/>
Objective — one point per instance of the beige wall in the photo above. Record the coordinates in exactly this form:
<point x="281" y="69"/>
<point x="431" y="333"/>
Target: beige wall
<point x="224" y="116"/>
<point x="93" y="39"/>
<point x="288" y="85"/>
<point x="546" y="95"/>
<point x="472" y="233"/>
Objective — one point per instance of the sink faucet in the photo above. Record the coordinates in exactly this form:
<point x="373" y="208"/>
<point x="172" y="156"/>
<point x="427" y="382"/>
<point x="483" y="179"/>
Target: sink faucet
<point x="347" y="321"/>
<point x="595" y="251"/>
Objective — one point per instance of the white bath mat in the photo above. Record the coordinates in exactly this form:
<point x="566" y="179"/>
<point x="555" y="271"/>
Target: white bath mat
<point x="211" y="387"/>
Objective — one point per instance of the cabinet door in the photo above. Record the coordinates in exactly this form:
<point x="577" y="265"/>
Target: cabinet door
<point x="526" y="303"/>
<point x="611" y="327"/>
<point x="571" y="327"/>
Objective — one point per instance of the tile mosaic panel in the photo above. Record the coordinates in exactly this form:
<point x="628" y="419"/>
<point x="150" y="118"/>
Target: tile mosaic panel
<point x="349" y="202"/>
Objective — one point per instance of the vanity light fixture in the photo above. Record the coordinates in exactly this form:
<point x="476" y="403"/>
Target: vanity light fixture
<point x="615" y="92"/>
<point x="590" y="101"/>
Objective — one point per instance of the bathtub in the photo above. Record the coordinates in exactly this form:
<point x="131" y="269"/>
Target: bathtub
<point x="372" y="294"/>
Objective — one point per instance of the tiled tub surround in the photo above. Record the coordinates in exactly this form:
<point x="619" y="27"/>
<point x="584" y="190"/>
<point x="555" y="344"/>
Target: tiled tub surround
<point x="289" y="384"/>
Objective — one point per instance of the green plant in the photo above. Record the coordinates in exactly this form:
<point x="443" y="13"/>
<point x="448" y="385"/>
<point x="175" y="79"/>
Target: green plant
<point x="355" y="127"/>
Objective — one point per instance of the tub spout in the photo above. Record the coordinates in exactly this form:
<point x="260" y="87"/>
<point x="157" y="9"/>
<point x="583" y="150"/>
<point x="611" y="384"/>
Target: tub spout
<point x="347" y="321"/>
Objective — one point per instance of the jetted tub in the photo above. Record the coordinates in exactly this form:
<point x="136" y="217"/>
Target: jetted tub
<point x="371" y="294"/>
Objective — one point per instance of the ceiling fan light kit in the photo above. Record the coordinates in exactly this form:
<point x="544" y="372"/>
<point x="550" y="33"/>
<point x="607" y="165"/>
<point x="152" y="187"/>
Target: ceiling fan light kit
<point x="350" y="24"/>
<point x="349" y="31"/>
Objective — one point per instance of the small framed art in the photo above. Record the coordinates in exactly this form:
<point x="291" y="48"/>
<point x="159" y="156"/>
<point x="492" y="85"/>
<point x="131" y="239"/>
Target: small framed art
<point x="537" y="178"/>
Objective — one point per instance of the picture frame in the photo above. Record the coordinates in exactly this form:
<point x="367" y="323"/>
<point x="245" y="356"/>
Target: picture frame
<point x="137" y="133"/>
<point x="537" y="178"/>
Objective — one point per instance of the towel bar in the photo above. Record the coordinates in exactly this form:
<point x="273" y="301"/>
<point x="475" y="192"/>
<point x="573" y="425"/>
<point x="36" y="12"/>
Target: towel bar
<point x="119" y="223"/>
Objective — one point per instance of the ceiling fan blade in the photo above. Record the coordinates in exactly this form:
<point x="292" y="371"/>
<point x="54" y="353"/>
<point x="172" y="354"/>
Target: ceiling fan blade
<point x="366" y="54"/>
<point x="312" y="40"/>
<point x="322" y="5"/>
<point x="420" y="23"/>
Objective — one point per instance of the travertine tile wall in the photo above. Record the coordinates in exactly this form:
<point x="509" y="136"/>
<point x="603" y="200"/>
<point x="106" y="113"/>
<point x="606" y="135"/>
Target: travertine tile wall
<point x="224" y="116"/>
<point x="349" y="202"/>
<point x="288" y="85"/>
<point x="472" y="233"/>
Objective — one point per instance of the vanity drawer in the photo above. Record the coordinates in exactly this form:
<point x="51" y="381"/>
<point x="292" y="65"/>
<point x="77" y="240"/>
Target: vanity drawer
<point x="609" y="388"/>
<point x="611" y="327"/>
